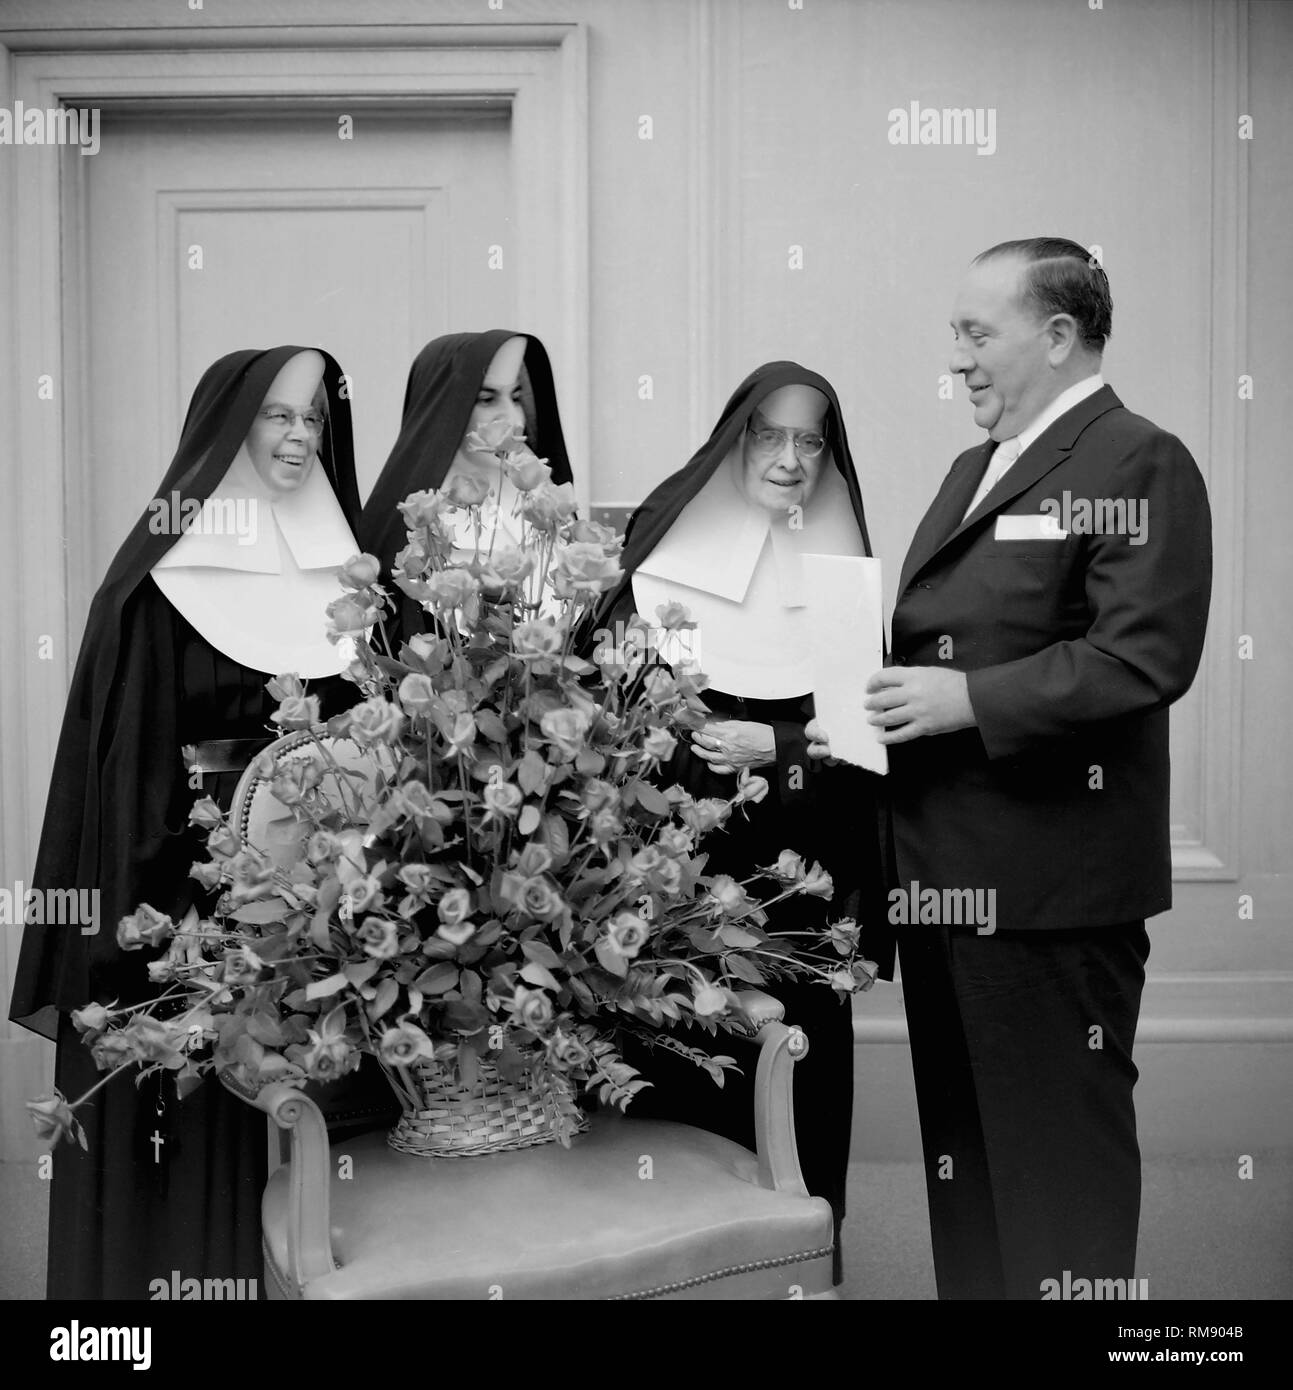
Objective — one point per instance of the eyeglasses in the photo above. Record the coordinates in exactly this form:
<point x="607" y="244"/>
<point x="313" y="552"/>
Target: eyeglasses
<point x="770" y="441"/>
<point x="281" y="418"/>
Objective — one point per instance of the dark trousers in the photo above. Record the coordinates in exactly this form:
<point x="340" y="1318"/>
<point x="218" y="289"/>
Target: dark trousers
<point x="1021" y="1046"/>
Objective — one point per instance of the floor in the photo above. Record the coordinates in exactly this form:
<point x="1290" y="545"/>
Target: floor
<point x="1205" y="1234"/>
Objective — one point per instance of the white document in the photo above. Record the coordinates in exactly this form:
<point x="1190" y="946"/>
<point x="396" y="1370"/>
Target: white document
<point x="846" y="642"/>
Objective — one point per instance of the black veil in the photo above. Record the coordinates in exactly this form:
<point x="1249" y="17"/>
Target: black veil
<point x="118" y="753"/>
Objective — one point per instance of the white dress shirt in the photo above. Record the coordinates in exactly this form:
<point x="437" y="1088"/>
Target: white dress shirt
<point x="1065" y="401"/>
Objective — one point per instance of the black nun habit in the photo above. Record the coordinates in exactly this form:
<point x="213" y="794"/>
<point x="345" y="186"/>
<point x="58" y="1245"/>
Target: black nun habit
<point x="824" y="813"/>
<point x="443" y="385"/>
<point x="146" y="683"/>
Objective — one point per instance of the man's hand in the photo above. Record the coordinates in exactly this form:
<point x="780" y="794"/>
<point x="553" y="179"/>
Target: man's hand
<point x="908" y="702"/>
<point x="819" y="744"/>
<point x="730" y="744"/>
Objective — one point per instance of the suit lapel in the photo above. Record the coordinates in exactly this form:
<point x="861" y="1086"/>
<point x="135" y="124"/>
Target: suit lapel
<point x="942" y="525"/>
<point x="946" y="510"/>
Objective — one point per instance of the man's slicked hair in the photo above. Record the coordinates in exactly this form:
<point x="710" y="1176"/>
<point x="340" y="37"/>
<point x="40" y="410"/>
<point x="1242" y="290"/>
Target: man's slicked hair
<point x="1061" y="277"/>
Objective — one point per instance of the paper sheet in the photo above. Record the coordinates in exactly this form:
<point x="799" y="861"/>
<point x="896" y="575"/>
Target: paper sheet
<point x="846" y="639"/>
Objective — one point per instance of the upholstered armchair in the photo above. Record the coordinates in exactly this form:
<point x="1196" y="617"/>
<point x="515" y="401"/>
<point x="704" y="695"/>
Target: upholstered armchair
<point x="634" y="1209"/>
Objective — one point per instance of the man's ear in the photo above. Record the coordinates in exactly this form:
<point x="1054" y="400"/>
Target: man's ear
<point x="1062" y="334"/>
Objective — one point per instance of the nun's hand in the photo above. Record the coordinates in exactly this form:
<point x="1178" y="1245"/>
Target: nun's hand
<point x="819" y="745"/>
<point x="728" y="745"/>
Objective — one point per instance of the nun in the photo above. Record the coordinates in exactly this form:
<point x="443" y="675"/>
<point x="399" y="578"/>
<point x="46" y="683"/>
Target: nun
<point x="182" y="635"/>
<point x="724" y="536"/>
<point x="459" y="384"/>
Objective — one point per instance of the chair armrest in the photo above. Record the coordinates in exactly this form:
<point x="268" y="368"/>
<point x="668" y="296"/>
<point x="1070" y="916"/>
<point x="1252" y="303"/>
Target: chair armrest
<point x="309" y="1241"/>
<point x="781" y="1046"/>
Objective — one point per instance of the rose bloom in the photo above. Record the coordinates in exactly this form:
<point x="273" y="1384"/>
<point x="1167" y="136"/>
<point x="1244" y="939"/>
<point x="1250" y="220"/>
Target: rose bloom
<point x="94" y="1018"/>
<point x="789" y="865"/>
<point x="379" y="938"/>
<point x="532" y="1007"/>
<point x="284" y="685"/>
<point x="495" y="436"/>
<point x="729" y="895"/>
<point x="541" y="637"/>
<point x="817" y="883"/>
<point x="111" y="1050"/>
<point x="418" y="879"/>
<point x="322" y="845"/>
<point x="525" y="471"/>
<point x="585" y="568"/>
<point x="250" y="876"/>
<point x="709" y="1001"/>
<point x="157" y="1040"/>
<point x="410" y="567"/>
<point x="533" y="860"/>
<point x="363" y="891"/>
<point x="465" y="491"/>
<point x="208" y="875"/>
<point x="222" y="842"/>
<point x="456" y="933"/>
<point x="599" y="795"/>
<point x="659" y="744"/>
<point x="349" y="616"/>
<point x="548" y="505"/>
<point x="164" y="971"/>
<point x="750" y="788"/>
<point x="844" y="935"/>
<point x="450" y="589"/>
<point x="360" y="571"/>
<point x="403" y="1045"/>
<point x="502" y="799"/>
<point x="659" y="686"/>
<point x="508" y="565"/>
<point x="206" y="814"/>
<point x="375" y="721"/>
<point x="144" y="927"/>
<point x="324" y="1060"/>
<point x="54" y="1120"/>
<point x="540" y="900"/>
<point x="241" y="966"/>
<point x="422" y="805"/>
<point x="674" y="616"/>
<point x="566" y="1052"/>
<point x="423" y="508"/>
<point x="455" y="906"/>
<point x="675" y="841"/>
<point x="417" y="693"/>
<point x="605" y="826"/>
<point x="703" y="815"/>
<point x="297" y="712"/>
<point x="567" y="729"/>
<point x="627" y="933"/>
<point x="595" y="533"/>
<point x="293" y="780"/>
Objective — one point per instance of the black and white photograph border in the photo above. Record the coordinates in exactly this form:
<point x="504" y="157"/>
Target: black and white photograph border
<point x="667" y="194"/>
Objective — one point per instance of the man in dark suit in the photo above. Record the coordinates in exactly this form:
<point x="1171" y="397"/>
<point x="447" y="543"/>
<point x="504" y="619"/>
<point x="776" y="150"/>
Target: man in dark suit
<point x="1051" y="607"/>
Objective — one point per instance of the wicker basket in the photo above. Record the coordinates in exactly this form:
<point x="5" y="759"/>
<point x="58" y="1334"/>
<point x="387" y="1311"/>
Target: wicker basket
<point x="445" y="1119"/>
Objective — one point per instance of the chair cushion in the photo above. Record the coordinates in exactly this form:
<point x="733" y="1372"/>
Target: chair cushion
<point x="551" y="1223"/>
